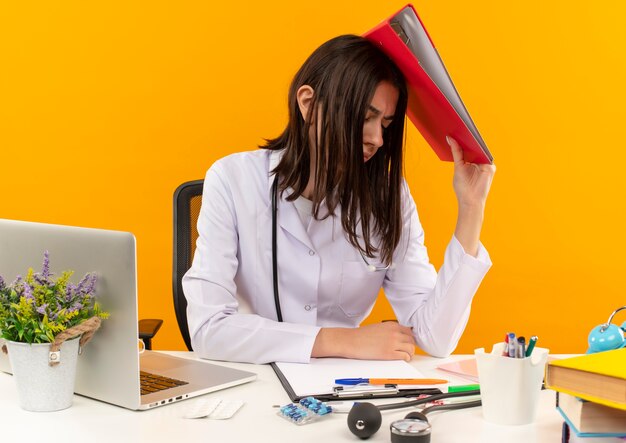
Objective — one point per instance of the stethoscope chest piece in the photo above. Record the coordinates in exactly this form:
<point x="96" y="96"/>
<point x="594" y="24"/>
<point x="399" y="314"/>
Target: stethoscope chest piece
<point x="607" y="336"/>
<point x="410" y="430"/>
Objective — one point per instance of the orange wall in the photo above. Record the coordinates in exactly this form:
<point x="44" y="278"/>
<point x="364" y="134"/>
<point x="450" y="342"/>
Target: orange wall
<point x="105" y="107"/>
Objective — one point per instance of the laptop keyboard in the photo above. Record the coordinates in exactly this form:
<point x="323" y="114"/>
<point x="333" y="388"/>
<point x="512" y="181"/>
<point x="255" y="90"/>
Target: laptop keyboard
<point x="151" y="383"/>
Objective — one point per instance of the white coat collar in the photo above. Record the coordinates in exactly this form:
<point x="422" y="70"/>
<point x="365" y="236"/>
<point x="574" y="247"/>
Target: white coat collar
<point x="287" y="216"/>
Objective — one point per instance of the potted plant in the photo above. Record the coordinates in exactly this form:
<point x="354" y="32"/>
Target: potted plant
<point x="44" y="321"/>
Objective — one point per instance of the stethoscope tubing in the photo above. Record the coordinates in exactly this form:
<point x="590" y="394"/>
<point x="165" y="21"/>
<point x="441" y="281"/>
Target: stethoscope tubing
<point x="279" y="314"/>
<point x="429" y="399"/>
<point x="608" y="322"/>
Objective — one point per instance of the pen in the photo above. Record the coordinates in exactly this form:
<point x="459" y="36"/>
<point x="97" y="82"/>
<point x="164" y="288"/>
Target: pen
<point x="505" y="351"/>
<point x="531" y="345"/>
<point x="390" y="381"/>
<point x="521" y="347"/>
<point x="512" y="345"/>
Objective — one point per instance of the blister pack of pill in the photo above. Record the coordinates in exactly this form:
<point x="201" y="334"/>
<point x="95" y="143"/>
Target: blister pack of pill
<point x="308" y="410"/>
<point x="215" y="409"/>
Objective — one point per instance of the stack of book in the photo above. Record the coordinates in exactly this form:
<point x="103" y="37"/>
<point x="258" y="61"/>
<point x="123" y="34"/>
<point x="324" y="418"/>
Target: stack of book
<point x="591" y="393"/>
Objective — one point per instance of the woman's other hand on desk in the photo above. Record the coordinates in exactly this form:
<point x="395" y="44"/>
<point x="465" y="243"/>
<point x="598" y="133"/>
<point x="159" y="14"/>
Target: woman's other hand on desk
<point x="378" y="341"/>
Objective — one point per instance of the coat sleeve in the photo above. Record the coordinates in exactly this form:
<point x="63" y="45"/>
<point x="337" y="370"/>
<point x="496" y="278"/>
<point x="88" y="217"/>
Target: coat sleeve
<point x="436" y="305"/>
<point x="218" y="330"/>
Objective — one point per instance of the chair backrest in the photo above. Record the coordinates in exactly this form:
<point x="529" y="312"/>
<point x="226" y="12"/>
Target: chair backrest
<point x="187" y="202"/>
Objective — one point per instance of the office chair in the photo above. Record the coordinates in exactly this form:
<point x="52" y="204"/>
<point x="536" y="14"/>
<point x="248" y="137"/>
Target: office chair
<point x="187" y="202"/>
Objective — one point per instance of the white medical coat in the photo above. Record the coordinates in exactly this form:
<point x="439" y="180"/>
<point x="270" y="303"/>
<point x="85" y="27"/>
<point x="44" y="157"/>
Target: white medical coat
<point x="323" y="279"/>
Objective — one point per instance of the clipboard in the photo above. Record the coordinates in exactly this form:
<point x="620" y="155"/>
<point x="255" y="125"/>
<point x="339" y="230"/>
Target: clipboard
<point x="434" y="105"/>
<point x="352" y="393"/>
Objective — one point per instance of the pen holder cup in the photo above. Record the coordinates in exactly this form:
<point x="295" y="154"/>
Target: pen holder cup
<point x="510" y="387"/>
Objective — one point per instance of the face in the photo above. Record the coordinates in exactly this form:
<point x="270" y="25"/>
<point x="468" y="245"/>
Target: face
<point x="378" y="117"/>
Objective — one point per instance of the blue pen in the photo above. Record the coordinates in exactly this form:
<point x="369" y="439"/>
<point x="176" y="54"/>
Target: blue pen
<point x="390" y="381"/>
<point x="351" y="381"/>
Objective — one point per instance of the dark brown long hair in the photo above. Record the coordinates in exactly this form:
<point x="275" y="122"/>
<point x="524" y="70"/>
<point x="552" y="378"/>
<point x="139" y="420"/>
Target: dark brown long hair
<point x="344" y="73"/>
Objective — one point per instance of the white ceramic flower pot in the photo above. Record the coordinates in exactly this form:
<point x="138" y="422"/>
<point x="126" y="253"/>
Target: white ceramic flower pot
<point x="41" y="387"/>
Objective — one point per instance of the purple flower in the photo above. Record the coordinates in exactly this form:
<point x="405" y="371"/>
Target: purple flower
<point x="45" y="270"/>
<point x="87" y="284"/>
<point x="43" y="278"/>
<point x="75" y="307"/>
<point x="91" y="284"/>
<point x="42" y="309"/>
<point x="17" y="281"/>
<point x="28" y="292"/>
<point x="81" y="284"/>
<point x="2" y="284"/>
<point x="70" y="291"/>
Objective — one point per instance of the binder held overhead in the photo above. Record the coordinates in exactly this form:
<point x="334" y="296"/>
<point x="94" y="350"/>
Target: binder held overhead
<point x="434" y="106"/>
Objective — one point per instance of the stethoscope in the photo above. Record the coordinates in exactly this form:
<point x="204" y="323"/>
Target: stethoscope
<point x="274" y="192"/>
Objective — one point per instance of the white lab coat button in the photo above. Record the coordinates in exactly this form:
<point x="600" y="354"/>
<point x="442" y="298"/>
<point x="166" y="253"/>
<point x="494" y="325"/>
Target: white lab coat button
<point x="311" y="252"/>
<point x="307" y="307"/>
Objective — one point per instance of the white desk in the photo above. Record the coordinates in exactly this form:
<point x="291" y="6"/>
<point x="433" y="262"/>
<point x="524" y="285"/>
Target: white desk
<point x="92" y="421"/>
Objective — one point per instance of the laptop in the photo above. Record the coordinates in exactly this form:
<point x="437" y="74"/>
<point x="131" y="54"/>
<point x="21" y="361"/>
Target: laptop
<point x="110" y="364"/>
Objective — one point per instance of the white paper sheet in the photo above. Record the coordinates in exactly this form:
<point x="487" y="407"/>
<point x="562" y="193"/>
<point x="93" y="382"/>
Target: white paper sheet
<point x="318" y="376"/>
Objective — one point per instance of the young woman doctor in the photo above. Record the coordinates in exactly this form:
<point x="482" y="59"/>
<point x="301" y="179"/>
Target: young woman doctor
<point x="346" y="225"/>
